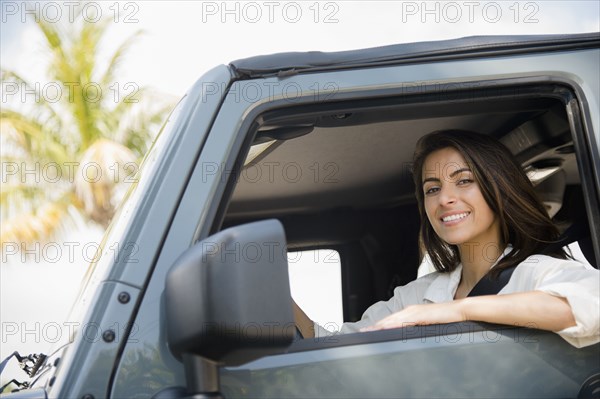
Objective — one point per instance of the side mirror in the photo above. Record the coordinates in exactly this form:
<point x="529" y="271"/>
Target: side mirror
<point x="228" y="301"/>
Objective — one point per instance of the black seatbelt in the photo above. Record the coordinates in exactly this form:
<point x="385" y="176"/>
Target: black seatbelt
<point x="489" y="286"/>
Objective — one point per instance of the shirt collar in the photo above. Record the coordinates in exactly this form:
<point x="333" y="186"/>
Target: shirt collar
<point x="444" y="286"/>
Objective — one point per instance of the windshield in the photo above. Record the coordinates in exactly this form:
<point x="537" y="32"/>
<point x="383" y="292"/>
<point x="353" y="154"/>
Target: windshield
<point x="100" y="266"/>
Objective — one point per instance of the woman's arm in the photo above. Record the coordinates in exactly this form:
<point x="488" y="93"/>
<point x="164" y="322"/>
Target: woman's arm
<point x="303" y="322"/>
<point x="535" y="309"/>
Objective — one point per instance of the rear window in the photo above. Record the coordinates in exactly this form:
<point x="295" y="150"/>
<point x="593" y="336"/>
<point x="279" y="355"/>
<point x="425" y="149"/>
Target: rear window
<point x="316" y="285"/>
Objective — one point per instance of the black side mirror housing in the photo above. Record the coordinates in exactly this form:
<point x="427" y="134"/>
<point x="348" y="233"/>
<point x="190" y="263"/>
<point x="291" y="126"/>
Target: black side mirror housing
<point x="228" y="297"/>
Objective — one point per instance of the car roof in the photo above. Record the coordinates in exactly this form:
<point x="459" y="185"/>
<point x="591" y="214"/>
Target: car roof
<point x="289" y="63"/>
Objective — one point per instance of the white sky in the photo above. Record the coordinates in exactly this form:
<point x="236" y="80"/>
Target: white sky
<point x="184" y="39"/>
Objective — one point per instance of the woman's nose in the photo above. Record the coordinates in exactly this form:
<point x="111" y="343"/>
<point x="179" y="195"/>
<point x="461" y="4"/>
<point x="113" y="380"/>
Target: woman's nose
<point x="447" y="195"/>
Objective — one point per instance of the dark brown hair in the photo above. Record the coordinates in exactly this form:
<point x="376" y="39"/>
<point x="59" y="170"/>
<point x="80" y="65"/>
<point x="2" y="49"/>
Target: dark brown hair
<point x="524" y="222"/>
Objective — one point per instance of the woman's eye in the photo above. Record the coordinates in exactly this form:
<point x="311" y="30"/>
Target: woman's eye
<point x="462" y="182"/>
<point x="431" y="190"/>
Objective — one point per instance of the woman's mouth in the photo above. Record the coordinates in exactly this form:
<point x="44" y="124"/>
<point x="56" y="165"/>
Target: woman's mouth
<point x="455" y="217"/>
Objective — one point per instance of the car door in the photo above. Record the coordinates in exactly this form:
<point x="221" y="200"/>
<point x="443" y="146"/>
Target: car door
<point x="466" y="360"/>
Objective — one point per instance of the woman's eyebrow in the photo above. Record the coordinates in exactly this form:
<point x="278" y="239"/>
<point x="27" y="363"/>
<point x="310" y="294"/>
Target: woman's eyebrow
<point x="459" y="171"/>
<point x="451" y="175"/>
<point x="434" y="179"/>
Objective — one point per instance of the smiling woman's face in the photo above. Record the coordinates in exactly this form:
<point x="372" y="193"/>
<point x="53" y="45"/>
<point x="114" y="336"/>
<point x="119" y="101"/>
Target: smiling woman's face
<point x="454" y="203"/>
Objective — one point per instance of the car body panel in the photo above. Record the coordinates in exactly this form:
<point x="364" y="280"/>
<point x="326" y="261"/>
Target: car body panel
<point x="517" y="363"/>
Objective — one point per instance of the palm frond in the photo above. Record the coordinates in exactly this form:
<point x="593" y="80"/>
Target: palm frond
<point x="104" y="166"/>
<point x="72" y="65"/>
<point x="141" y="128"/>
<point x="35" y="139"/>
<point x="18" y="197"/>
<point x="111" y="120"/>
<point x="53" y="37"/>
<point x="34" y="226"/>
<point x="108" y="76"/>
<point x="8" y="76"/>
<point x="84" y="51"/>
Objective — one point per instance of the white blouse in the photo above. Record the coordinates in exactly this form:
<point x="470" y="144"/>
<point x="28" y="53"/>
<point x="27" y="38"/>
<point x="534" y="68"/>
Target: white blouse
<point x="578" y="283"/>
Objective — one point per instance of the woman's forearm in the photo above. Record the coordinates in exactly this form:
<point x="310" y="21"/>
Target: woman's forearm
<point x="534" y="309"/>
<point x="303" y="322"/>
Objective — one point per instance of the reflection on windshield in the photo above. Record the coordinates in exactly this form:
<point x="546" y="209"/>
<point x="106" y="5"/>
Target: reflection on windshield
<point x="101" y="264"/>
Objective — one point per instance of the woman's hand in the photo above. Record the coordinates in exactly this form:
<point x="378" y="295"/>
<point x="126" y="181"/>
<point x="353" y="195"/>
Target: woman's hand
<point x="434" y="313"/>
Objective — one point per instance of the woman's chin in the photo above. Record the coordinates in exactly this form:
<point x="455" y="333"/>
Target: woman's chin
<point x="454" y="240"/>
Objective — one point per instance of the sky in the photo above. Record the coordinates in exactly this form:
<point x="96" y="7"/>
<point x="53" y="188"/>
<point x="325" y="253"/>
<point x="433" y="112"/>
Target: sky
<point x="184" y="39"/>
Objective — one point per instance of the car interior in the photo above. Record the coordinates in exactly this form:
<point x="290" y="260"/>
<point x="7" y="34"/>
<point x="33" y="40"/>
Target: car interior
<point x="338" y="174"/>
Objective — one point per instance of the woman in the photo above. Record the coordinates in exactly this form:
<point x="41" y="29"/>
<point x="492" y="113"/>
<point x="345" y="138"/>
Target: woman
<point x="480" y="215"/>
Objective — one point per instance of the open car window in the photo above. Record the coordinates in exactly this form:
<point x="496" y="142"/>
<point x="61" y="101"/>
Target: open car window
<point x="340" y="174"/>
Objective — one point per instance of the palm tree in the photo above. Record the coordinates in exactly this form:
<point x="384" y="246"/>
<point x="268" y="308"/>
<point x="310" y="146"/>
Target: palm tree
<point x="70" y="151"/>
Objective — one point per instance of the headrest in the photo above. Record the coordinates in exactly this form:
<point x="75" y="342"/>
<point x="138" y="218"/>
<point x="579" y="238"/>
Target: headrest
<point x="551" y="192"/>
